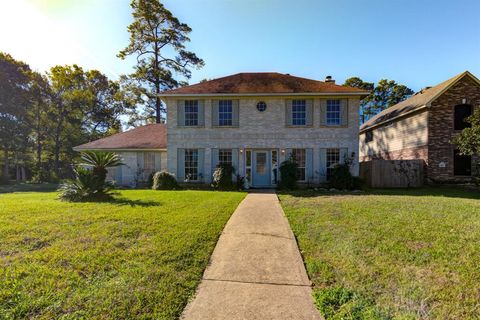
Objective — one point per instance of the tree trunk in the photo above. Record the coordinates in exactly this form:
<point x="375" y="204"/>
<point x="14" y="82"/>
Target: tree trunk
<point x="5" y="162"/>
<point x="23" y="173"/>
<point x="158" y="103"/>
<point x="17" y="168"/>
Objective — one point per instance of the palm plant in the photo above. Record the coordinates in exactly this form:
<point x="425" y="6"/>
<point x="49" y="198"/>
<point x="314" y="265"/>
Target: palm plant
<point x="90" y="176"/>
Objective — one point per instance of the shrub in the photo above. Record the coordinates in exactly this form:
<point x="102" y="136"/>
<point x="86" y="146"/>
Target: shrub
<point x="288" y="174"/>
<point x="222" y="177"/>
<point x="150" y="180"/>
<point x="90" y="184"/>
<point x="342" y="178"/>
<point x="86" y="186"/>
<point x="240" y="182"/>
<point x="164" y="181"/>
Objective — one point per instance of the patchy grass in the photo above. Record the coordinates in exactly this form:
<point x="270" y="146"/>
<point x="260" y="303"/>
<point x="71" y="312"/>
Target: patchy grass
<point x="26" y="187"/>
<point x="391" y="254"/>
<point x="140" y="256"/>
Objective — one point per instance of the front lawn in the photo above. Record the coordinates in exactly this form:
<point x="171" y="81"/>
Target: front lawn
<point x="391" y="254"/>
<point x="141" y="256"/>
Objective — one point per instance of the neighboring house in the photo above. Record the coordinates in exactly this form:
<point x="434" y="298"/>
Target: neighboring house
<point x="255" y="121"/>
<point x="423" y="127"/>
<point x="143" y="151"/>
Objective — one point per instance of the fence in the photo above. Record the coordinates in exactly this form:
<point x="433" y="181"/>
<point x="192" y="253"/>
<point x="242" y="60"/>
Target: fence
<point x="392" y="173"/>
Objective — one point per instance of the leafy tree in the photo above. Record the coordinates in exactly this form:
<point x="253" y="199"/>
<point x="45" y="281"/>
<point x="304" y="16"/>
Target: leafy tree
<point x="14" y="98"/>
<point x="468" y="141"/>
<point x="384" y="95"/>
<point x="157" y="39"/>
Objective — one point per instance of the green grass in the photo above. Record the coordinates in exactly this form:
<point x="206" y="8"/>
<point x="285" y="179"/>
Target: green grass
<point x="391" y="254"/>
<point x="140" y="256"/>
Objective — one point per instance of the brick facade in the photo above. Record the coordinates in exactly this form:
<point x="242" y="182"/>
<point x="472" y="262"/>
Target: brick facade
<point x="441" y="130"/>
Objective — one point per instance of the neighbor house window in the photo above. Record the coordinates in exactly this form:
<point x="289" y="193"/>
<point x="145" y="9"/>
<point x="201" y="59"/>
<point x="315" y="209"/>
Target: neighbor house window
<point x="225" y="156"/>
<point x="225" y="113"/>
<point x="462" y="112"/>
<point x="191" y="164"/>
<point x="462" y="164"/>
<point x="300" y="157"/>
<point x="299" y="113"/>
<point x="368" y="136"/>
<point x="333" y="158"/>
<point x="333" y="112"/>
<point x="148" y="164"/>
<point x="191" y="112"/>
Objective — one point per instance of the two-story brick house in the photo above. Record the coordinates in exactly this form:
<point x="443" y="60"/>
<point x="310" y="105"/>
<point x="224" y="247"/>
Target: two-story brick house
<point x="423" y="127"/>
<point x="255" y="121"/>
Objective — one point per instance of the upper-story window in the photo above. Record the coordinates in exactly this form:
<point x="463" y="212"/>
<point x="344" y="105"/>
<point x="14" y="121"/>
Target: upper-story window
<point x="462" y="111"/>
<point x="225" y="113"/>
<point x="299" y="112"/>
<point x="368" y="136"/>
<point x="333" y="113"/>
<point x="191" y="112"/>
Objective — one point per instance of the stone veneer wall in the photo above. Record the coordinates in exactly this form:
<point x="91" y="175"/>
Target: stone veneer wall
<point x="441" y="129"/>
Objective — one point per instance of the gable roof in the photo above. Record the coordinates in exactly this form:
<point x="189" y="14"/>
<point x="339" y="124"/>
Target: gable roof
<point x="263" y="83"/>
<point x="416" y="102"/>
<point x="150" y="136"/>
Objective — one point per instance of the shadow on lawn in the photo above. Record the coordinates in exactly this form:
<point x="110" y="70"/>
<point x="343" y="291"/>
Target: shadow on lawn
<point x="134" y="203"/>
<point x="433" y="191"/>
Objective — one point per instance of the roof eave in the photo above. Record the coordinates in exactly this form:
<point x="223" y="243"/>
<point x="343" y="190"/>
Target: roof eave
<point x="79" y="149"/>
<point x="376" y="125"/>
<point x="360" y="93"/>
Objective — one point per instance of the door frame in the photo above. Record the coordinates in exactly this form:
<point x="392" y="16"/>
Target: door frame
<point x="268" y="153"/>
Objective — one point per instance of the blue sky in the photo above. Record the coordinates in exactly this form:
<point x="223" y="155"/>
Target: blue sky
<point x="418" y="43"/>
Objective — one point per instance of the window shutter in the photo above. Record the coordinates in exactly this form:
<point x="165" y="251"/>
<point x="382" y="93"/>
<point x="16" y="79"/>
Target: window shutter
<point x="344" y="112"/>
<point x="180" y="164"/>
<point x="309" y="112"/>
<point x="214" y="159"/>
<point x="309" y="165"/>
<point x="343" y="154"/>
<point x="288" y="112"/>
<point x="119" y="174"/>
<point x="158" y="161"/>
<point x="235" y="161"/>
<point x="201" y="113"/>
<point x="235" y="113"/>
<point x="323" y="165"/>
<point x="181" y="113"/>
<point x="201" y="164"/>
<point x="323" y="112"/>
<point x="215" y="109"/>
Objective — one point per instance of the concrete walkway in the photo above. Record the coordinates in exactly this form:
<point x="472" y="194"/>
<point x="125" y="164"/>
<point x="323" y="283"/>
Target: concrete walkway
<point x="256" y="271"/>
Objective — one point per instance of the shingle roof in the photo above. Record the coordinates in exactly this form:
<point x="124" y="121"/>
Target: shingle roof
<point x="416" y="102"/>
<point x="261" y="83"/>
<point x="151" y="136"/>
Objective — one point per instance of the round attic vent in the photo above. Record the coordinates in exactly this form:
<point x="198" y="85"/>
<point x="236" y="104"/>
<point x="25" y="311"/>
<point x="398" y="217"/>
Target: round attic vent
<point x="261" y="106"/>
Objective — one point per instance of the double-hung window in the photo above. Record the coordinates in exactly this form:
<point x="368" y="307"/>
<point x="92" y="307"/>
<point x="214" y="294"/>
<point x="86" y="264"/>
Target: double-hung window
<point x="333" y="158"/>
<point x="225" y="157"/>
<point x="299" y="112"/>
<point x="191" y="112"/>
<point x="300" y="158"/>
<point x="148" y="164"/>
<point x="333" y="113"/>
<point x="225" y="113"/>
<point x="191" y="164"/>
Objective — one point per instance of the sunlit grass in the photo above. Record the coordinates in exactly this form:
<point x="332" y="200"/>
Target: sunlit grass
<point x="141" y="256"/>
<point x="408" y="254"/>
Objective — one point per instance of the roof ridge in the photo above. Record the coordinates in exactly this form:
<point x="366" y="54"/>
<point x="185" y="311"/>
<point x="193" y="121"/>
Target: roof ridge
<point x="440" y="87"/>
